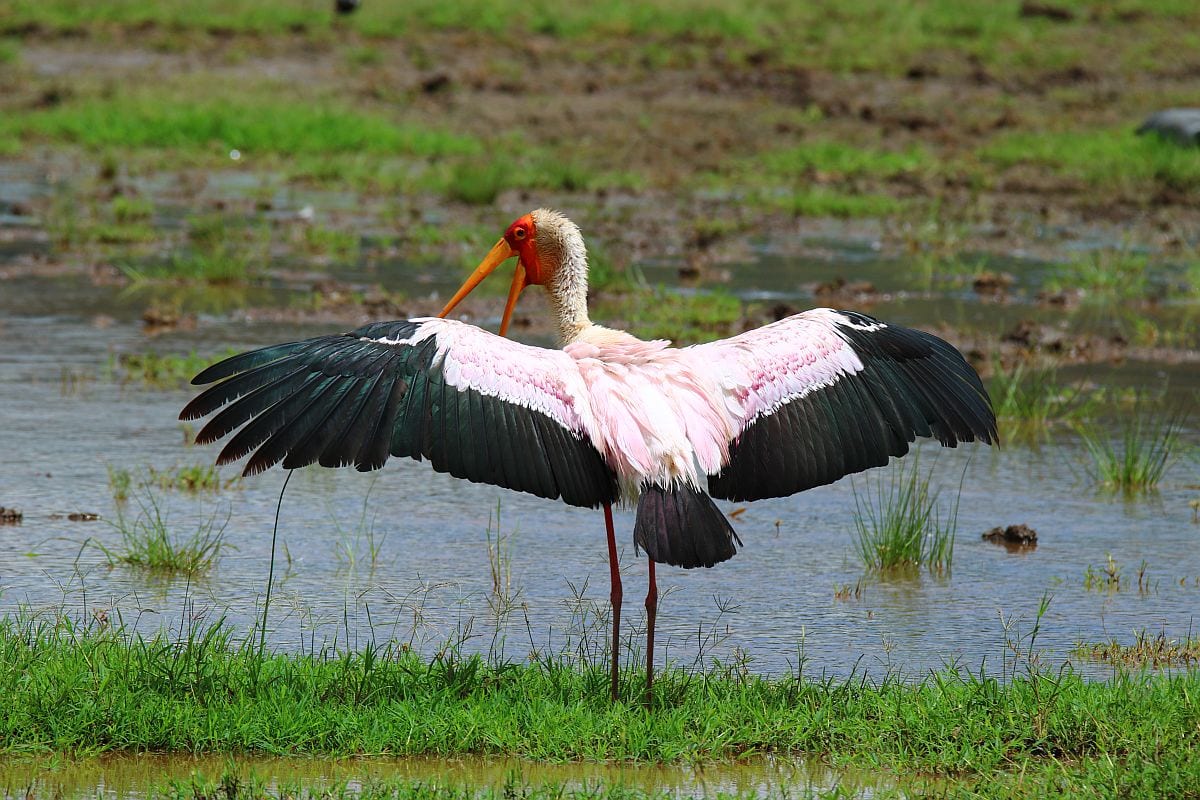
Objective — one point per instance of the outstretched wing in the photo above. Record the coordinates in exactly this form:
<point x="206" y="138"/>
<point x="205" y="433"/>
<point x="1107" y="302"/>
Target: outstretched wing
<point x="476" y="405"/>
<point x="827" y="393"/>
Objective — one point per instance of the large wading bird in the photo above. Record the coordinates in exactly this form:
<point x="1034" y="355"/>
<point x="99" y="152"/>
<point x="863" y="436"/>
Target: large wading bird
<point x="608" y="418"/>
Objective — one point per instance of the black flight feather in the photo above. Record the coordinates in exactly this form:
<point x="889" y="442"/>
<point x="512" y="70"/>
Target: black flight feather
<point x="358" y="397"/>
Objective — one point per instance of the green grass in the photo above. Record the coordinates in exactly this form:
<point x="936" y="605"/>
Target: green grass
<point x="1148" y="441"/>
<point x="120" y="481"/>
<point x="898" y="521"/>
<point x="88" y="690"/>
<point x="162" y="370"/>
<point x="226" y="264"/>
<point x="191" y="478"/>
<point x="149" y="543"/>
<point x="255" y="121"/>
<point x="322" y="140"/>
<point x="1116" y="160"/>
<point x="343" y="245"/>
<point x="1030" y="401"/>
<point x="126" y="209"/>
<point x="854" y="36"/>
<point x="819" y="202"/>
<point x="122" y="221"/>
<point x="836" y="159"/>
<point x="10" y="51"/>
<point x="478" y="182"/>
<point x="819" y="178"/>
<point x="1105" y="276"/>
<point x="513" y="165"/>
<point x="656" y="313"/>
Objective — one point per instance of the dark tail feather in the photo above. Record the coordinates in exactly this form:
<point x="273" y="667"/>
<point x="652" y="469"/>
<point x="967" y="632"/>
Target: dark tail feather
<point x="683" y="527"/>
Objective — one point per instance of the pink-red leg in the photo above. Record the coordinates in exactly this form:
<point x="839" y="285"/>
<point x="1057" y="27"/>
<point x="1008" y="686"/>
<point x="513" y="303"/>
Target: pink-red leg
<point x="614" y="596"/>
<point x="651" y="611"/>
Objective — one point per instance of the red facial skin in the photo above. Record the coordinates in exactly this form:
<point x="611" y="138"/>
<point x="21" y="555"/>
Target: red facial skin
<point x="520" y="237"/>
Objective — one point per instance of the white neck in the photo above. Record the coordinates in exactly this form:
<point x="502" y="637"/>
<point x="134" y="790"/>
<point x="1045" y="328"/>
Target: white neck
<point x="568" y="295"/>
<point x="560" y="247"/>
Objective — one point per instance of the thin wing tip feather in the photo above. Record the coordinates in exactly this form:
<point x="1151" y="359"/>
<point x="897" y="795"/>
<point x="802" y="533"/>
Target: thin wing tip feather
<point x="216" y="372"/>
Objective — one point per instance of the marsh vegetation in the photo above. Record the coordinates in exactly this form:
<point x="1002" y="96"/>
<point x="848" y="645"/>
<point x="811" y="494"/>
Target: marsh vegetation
<point x="900" y="521"/>
<point x="148" y="540"/>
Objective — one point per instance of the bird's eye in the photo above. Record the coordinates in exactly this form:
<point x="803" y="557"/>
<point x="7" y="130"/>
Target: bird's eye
<point x="519" y="233"/>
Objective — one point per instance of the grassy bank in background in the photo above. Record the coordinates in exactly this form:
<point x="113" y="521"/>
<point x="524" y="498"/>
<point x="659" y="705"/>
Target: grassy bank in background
<point x="1115" y="160"/>
<point x="841" y="36"/>
<point x="258" y="118"/>
<point x="99" y="690"/>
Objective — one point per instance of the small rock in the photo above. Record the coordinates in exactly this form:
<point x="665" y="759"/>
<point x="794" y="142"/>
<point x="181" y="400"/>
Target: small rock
<point x="10" y="516"/>
<point x="1046" y="11"/>
<point x="1178" y="125"/>
<point x="1063" y="298"/>
<point x="781" y="310"/>
<point x="843" y="291"/>
<point x="1030" y="334"/>
<point x="431" y="84"/>
<point x="1020" y="535"/>
<point x="920" y="71"/>
<point x="157" y="319"/>
<point x="379" y="303"/>
<point x="992" y="283"/>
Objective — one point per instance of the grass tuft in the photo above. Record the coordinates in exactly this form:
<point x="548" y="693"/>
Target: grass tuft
<point x="503" y="598"/>
<point x="1145" y="651"/>
<point x="1111" y="578"/>
<point x="147" y="542"/>
<point x="899" y="523"/>
<point x="1148" y="444"/>
<point x="1030" y="401"/>
<point x="343" y="245"/>
<point x="362" y="545"/>
<point x="162" y="370"/>
<point x="1105" y="276"/>
<point x="192" y="478"/>
<point x="120" y="481"/>
<point x="1117" y="159"/>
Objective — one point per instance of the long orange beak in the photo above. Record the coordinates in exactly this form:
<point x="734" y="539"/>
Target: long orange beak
<point x="500" y="253"/>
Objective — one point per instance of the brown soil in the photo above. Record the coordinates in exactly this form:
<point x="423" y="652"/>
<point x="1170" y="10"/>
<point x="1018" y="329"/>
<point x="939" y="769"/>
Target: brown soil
<point x="673" y="123"/>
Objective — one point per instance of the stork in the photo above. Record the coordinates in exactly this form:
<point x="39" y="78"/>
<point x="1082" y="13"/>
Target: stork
<point x="606" y="419"/>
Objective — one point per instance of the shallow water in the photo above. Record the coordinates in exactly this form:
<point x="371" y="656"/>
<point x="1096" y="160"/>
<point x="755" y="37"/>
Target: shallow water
<point x="133" y="776"/>
<point x="63" y="423"/>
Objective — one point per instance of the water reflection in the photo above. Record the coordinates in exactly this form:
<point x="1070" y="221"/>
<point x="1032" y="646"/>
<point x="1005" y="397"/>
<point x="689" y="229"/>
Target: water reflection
<point x="133" y="776"/>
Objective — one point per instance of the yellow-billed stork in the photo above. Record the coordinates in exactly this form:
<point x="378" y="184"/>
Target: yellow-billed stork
<point x="609" y="417"/>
